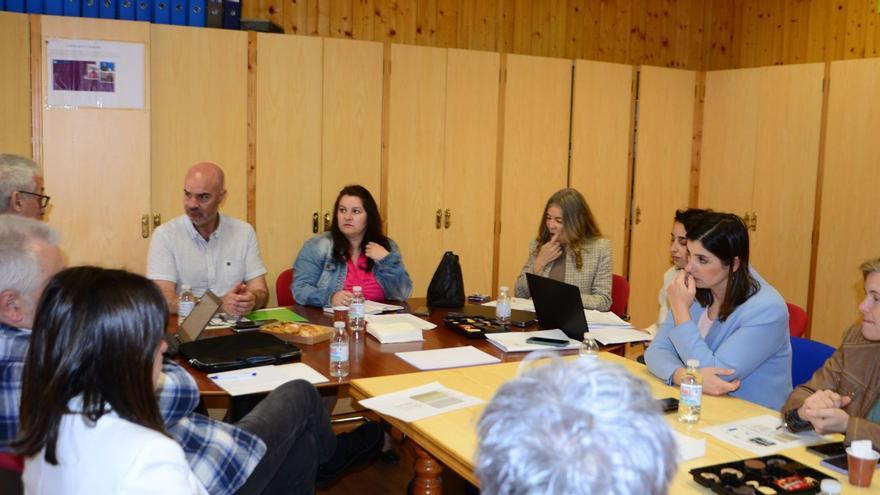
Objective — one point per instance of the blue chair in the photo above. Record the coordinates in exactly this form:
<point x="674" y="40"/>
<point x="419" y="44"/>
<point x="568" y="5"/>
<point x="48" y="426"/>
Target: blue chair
<point x="806" y="357"/>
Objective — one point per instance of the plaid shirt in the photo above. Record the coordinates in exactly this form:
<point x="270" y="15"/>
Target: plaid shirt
<point x="221" y="455"/>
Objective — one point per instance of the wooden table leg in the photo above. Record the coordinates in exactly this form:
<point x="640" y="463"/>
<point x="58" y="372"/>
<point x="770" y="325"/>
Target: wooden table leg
<point x="428" y="469"/>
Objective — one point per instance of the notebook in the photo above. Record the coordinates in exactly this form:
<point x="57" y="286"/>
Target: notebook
<point x="558" y="305"/>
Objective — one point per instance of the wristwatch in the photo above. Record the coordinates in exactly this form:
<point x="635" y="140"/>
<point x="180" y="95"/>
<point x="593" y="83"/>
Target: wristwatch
<point x="795" y="423"/>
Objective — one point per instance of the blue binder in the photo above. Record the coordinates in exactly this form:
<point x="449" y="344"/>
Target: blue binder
<point x="90" y="8"/>
<point x="34" y="6"/>
<point x="231" y="14"/>
<point x="2" y="5"/>
<point x="15" y="5"/>
<point x="196" y="15"/>
<point x="125" y="10"/>
<point x="161" y="12"/>
<point x="143" y="10"/>
<point x="53" y="7"/>
<point x="178" y="12"/>
<point x="107" y="9"/>
<point x="71" y="8"/>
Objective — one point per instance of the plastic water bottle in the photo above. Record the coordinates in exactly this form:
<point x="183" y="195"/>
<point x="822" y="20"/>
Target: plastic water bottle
<point x="339" y="351"/>
<point x="691" y="393"/>
<point x="589" y="348"/>
<point x="186" y="301"/>
<point x="356" y="311"/>
<point x="502" y="306"/>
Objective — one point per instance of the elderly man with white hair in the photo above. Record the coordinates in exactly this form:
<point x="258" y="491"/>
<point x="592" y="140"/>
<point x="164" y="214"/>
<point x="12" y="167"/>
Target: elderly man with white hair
<point x="577" y="427"/>
<point x="21" y="187"/>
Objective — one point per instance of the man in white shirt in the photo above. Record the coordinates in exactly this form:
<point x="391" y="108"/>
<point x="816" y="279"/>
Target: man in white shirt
<point x="203" y="249"/>
<point x="21" y="187"/>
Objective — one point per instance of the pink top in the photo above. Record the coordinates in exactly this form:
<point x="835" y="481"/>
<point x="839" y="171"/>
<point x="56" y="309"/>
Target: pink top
<point x="358" y="275"/>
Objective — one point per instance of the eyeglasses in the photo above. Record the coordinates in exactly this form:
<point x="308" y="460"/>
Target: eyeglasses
<point x="44" y="200"/>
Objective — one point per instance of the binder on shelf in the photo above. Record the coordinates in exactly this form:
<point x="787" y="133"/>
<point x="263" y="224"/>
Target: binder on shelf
<point x="53" y="7"/>
<point x="196" y="16"/>
<point x="214" y="14"/>
<point x="107" y="9"/>
<point x="71" y="8"/>
<point x="161" y="12"/>
<point x="125" y="10"/>
<point x="18" y="6"/>
<point x="34" y="6"/>
<point x="90" y="8"/>
<point x="178" y="12"/>
<point x="143" y="10"/>
<point x="231" y="14"/>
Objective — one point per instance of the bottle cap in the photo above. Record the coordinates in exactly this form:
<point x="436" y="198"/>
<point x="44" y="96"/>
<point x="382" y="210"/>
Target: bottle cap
<point x="503" y="288"/>
<point x="829" y="486"/>
<point x="693" y="363"/>
<point x="357" y="288"/>
<point x="185" y="287"/>
<point x="339" y="324"/>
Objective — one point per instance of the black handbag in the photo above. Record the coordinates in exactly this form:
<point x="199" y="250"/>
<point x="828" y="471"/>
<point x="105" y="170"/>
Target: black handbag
<point x="446" y="289"/>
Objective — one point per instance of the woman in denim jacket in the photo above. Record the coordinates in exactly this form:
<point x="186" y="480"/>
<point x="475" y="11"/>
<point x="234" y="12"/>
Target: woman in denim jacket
<point x="354" y="252"/>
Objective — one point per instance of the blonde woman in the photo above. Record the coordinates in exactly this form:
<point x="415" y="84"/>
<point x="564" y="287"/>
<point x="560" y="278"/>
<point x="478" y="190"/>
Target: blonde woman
<point x="569" y="249"/>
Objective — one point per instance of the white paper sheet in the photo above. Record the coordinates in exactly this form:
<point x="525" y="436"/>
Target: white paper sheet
<point x="604" y="319"/>
<point x="394" y="333"/>
<point x="94" y="73"/>
<point x="609" y="336"/>
<point x="451" y="357"/>
<point x="402" y="318"/>
<point x="516" y="341"/>
<point x="761" y="435"/>
<point x="688" y="447"/>
<point x="421" y="402"/>
<point x="264" y="378"/>
<point x="517" y="303"/>
<point x="372" y="308"/>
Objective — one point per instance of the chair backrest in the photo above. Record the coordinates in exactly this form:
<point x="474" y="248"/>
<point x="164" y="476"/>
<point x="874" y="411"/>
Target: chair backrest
<point x="282" y="288"/>
<point x="619" y="296"/>
<point x="806" y="357"/>
<point x="797" y="320"/>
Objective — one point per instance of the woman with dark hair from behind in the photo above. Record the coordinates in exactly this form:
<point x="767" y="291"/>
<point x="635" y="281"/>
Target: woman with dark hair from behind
<point x="89" y="418"/>
<point x="570" y="248"/>
<point x="354" y="252"/>
<point x="725" y="316"/>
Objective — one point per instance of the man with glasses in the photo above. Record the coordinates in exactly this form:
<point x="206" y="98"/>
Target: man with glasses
<point x="205" y="250"/>
<point x="21" y="187"/>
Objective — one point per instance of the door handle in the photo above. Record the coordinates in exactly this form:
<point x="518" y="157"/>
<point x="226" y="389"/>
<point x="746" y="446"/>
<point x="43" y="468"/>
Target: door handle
<point x="638" y="215"/>
<point x="145" y="225"/>
<point x="157" y="220"/>
<point x="438" y="218"/>
<point x="326" y="221"/>
<point x="754" y="226"/>
<point x="315" y="218"/>
<point x="447" y="218"/>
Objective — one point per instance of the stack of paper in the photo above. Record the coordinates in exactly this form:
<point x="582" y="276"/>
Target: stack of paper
<point x="264" y="378"/>
<point x="452" y="357"/>
<point x="610" y="336"/>
<point x="395" y="328"/>
<point x="373" y="308"/>
<point x="604" y="319"/>
<point x="516" y="341"/>
<point x="421" y="402"/>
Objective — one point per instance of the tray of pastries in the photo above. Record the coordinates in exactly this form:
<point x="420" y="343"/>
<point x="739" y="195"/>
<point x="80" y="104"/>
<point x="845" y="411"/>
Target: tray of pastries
<point x="301" y="333"/>
<point x="473" y="326"/>
<point x="768" y="475"/>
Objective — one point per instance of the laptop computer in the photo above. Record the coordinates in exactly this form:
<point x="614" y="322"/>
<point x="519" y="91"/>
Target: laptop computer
<point x="558" y="305"/>
<point x="230" y="352"/>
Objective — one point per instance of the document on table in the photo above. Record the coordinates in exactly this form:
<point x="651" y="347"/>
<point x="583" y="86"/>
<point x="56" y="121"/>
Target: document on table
<point x="421" y="402"/>
<point x="609" y="336"/>
<point x="401" y="318"/>
<point x="761" y="435"/>
<point x="372" y="308"/>
<point x="604" y="319"/>
<point x="689" y="447"/>
<point x="264" y="378"/>
<point x="516" y="341"/>
<point x="518" y="303"/>
<point x="451" y="357"/>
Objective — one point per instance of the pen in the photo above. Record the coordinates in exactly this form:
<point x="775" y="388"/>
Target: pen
<point x="237" y="376"/>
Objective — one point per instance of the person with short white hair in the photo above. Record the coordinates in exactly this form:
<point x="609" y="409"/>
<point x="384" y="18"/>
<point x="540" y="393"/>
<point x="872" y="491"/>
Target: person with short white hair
<point x="21" y="187"/>
<point x="574" y="427"/>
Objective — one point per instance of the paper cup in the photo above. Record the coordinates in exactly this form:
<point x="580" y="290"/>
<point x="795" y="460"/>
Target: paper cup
<point x="340" y="313"/>
<point x="861" y="470"/>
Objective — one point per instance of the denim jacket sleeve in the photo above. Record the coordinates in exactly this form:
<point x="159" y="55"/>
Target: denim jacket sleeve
<point x="316" y="277"/>
<point x="392" y="275"/>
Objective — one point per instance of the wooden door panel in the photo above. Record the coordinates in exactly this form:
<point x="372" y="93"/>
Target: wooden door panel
<point x="415" y="157"/>
<point x="786" y="161"/>
<point x="470" y="162"/>
<point x="661" y="181"/>
<point x="15" y="92"/>
<point x="600" y="135"/>
<point x="288" y="132"/>
<point x="535" y="165"/>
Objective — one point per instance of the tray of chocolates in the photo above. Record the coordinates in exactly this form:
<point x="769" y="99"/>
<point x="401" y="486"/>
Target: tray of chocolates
<point x="473" y="326"/>
<point x="769" y="475"/>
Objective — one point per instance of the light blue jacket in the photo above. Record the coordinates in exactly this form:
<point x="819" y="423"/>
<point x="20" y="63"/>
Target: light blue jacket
<point x="317" y="276"/>
<point x="753" y="341"/>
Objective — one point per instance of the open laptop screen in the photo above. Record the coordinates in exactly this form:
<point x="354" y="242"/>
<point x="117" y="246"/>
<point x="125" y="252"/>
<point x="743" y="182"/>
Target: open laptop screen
<point x="199" y="318"/>
<point x="558" y="305"/>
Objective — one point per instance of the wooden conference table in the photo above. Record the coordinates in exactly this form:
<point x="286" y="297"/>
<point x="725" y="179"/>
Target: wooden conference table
<point x="450" y="439"/>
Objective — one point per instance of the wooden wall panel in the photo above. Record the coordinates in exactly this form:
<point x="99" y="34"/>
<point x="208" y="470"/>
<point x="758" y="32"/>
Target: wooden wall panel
<point x="847" y="234"/>
<point x="601" y="106"/>
<point x="288" y="143"/>
<point x="536" y="125"/>
<point x="15" y="91"/>
<point x="199" y="91"/>
<point x="661" y="180"/>
<point x="97" y="161"/>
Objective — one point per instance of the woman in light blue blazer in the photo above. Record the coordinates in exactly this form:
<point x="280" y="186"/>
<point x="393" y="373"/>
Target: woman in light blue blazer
<point x="725" y="316"/>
